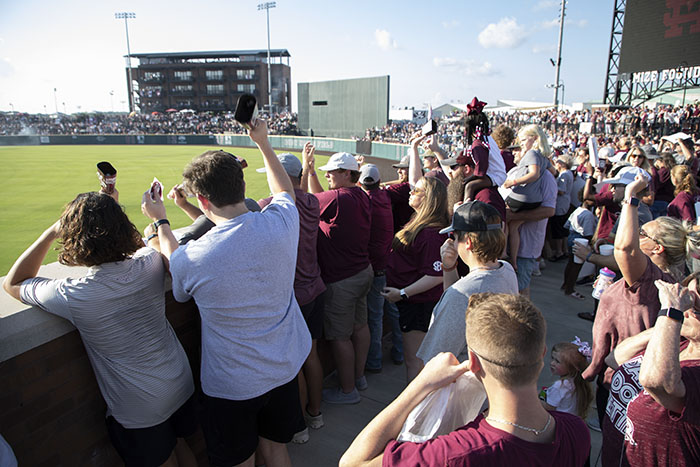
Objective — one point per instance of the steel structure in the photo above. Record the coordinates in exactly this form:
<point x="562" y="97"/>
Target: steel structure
<point x="621" y="89"/>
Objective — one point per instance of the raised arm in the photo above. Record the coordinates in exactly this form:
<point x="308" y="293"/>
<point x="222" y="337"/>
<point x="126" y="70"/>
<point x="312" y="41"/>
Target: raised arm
<point x="177" y="194"/>
<point x="434" y="145"/>
<point x="660" y="372"/>
<point x="277" y="177"/>
<point x="628" y="255"/>
<point x="309" y="179"/>
<point x="449" y="257"/>
<point x="628" y="348"/>
<point x="415" y="168"/>
<point x="155" y="211"/>
<point x="28" y="264"/>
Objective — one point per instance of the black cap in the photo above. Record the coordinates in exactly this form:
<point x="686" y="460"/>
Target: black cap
<point x="473" y="217"/>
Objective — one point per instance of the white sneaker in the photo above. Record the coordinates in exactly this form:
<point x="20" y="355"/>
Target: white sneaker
<point x="536" y="270"/>
<point x="361" y="383"/>
<point x="313" y="422"/>
<point x="301" y="437"/>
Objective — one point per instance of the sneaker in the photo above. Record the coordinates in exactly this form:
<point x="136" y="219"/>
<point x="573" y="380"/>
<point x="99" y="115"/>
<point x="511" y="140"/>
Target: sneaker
<point x="361" y="383"/>
<point x="585" y="280"/>
<point x="313" y="422"/>
<point x="373" y="370"/>
<point x="337" y="396"/>
<point x="542" y="263"/>
<point x="593" y="424"/>
<point x="536" y="270"/>
<point x="587" y="316"/>
<point x="301" y="437"/>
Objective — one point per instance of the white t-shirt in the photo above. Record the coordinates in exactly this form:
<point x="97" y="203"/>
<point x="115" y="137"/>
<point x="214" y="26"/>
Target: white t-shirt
<point x="241" y="275"/>
<point x="582" y="221"/>
<point x="119" y="311"/>
<point x="562" y="396"/>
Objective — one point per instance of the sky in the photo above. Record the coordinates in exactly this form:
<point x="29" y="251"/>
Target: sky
<point x="434" y="52"/>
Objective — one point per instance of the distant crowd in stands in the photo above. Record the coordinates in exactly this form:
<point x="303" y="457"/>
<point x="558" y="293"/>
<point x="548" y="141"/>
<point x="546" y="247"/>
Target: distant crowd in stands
<point x="445" y="255"/>
<point x="167" y="123"/>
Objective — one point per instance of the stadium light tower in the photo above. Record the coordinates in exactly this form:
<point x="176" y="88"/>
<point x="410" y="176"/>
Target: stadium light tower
<point x="558" y="63"/>
<point x="266" y="6"/>
<point x="127" y="16"/>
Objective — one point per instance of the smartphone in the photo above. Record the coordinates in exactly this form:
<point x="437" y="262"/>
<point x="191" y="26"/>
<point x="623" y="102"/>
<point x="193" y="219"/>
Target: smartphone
<point x="107" y="175"/>
<point x="156" y="190"/>
<point x="246" y="110"/>
<point x="430" y="128"/>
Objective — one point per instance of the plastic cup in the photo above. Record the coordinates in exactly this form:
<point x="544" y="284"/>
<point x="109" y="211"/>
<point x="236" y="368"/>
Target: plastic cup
<point x="580" y="241"/>
<point x="606" y="250"/>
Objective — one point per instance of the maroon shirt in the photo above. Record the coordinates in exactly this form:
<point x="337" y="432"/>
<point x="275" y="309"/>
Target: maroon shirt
<point x="661" y="178"/>
<point x="480" y="156"/>
<point x="508" y="159"/>
<point x="344" y="233"/>
<point x="420" y="258"/>
<point x="683" y="206"/>
<point x="399" y="195"/>
<point x="624" y="311"/>
<point x="307" y="278"/>
<point x="491" y="196"/>
<point x="382" y="231"/>
<point x="661" y="437"/>
<point x="612" y="210"/>
<point x="478" y="443"/>
<point x="439" y="174"/>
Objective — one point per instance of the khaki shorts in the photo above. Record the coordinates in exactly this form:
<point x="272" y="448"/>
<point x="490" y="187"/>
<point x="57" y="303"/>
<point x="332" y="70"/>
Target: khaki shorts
<point x="346" y="305"/>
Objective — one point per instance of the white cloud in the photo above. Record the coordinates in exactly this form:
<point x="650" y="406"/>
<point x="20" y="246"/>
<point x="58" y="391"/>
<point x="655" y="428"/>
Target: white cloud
<point x="466" y="67"/>
<point x="506" y="34"/>
<point x="450" y="24"/>
<point x="543" y="48"/>
<point x="384" y="40"/>
<point x="545" y="4"/>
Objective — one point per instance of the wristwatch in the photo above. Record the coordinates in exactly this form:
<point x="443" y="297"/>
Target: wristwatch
<point x="404" y="295"/>
<point x="672" y="313"/>
<point x="633" y="201"/>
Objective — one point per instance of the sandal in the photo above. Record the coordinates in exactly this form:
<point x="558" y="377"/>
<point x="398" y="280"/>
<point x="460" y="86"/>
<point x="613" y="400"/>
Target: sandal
<point x="576" y="295"/>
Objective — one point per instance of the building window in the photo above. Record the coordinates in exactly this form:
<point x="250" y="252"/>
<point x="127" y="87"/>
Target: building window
<point x="215" y="89"/>
<point x="245" y="74"/>
<point x="151" y="91"/>
<point x="183" y="75"/>
<point x="152" y="76"/>
<point x="182" y="88"/>
<point x="215" y="74"/>
<point x="183" y="104"/>
<point x="249" y="88"/>
<point x="319" y="103"/>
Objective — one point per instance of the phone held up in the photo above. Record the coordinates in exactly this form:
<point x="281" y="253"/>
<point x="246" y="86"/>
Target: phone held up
<point x="107" y="175"/>
<point x="430" y="128"/>
<point x="246" y="111"/>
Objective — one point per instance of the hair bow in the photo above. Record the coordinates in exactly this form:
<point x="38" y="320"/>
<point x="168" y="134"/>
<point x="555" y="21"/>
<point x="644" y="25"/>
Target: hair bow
<point x="584" y="347"/>
<point x="475" y="106"/>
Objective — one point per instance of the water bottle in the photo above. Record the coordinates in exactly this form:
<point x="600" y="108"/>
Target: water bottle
<point x="605" y="278"/>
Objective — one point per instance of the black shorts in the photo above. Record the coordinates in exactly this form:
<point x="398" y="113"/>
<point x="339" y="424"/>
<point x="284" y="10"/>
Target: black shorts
<point x="231" y="428"/>
<point x="516" y="206"/>
<point x="415" y="316"/>
<point x="152" y="446"/>
<point x="313" y="315"/>
<point x="556" y="224"/>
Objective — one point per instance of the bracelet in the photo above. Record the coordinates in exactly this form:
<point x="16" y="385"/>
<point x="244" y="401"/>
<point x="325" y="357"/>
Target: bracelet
<point x="160" y="222"/>
<point x="151" y="237"/>
<point x="588" y="256"/>
<point x="444" y="269"/>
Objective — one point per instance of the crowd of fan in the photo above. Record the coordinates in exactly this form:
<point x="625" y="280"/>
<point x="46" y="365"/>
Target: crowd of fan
<point x="168" y="123"/>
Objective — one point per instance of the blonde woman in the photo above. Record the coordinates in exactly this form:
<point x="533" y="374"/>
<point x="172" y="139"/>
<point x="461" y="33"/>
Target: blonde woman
<point x="683" y="205"/>
<point x="414" y="271"/>
<point x="524" y="180"/>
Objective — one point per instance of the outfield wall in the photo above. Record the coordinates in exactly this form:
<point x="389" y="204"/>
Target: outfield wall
<point x="388" y="151"/>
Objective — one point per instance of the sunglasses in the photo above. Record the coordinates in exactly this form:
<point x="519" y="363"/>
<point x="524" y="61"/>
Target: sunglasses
<point x="643" y="234"/>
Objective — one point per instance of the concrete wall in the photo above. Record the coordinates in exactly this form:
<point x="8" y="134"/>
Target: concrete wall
<point x="343" y="108"/>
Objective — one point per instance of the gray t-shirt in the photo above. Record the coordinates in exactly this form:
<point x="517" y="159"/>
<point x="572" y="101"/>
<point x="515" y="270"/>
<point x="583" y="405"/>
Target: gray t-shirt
<point x="119" y="310"/>
<point x="241" y="275"/>
<point x="447" y="331"/>
<point x="529" y="192"/>
<point x="644" y="215"/>
<point x="564" y="182"/>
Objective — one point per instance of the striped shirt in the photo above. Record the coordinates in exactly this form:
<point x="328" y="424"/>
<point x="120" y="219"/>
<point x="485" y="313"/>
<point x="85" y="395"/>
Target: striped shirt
<point x="119" y="311"/>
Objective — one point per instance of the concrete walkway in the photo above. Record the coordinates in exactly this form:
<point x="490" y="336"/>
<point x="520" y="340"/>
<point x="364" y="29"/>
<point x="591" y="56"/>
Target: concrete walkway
<point x="343" y="423"/>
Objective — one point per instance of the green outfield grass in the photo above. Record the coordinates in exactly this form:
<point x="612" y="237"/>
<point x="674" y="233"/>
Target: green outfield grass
<point x="38" y="181"/>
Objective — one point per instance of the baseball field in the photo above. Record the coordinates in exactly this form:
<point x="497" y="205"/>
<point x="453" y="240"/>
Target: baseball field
<point x="38" y="181"/>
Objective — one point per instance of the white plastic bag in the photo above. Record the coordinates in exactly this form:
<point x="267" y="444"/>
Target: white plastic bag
<point x="444" y="410"/>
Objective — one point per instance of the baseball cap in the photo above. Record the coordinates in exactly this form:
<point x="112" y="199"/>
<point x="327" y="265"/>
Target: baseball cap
<point x="650" y="151"/>
<point x="341" y="160"/>
<point x="606" y="152"/>
<point x="369" y="174"/>
<point x="429" y="153"/>
<point x="472" y="217"/>
<point x="625" y="176"/>
<point x="290" y="162"/>
<point x="403" y="164"/>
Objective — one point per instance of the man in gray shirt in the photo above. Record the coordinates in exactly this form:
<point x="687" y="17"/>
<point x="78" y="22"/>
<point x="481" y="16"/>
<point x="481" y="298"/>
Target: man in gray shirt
<point x="478" y="240"/>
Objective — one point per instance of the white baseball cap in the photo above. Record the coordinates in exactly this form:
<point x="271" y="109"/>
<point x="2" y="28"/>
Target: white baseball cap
<point x="341" y="160"/>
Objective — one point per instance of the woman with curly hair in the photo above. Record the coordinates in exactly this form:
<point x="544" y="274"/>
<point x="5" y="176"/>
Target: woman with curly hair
<point x="683" y="205"/>
<point x="414" y="270"/>
<point x="118" y="307"/>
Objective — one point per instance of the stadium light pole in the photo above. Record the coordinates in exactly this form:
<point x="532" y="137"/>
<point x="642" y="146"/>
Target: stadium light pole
<point x="266" y="6"/>
<point x="55" y="100"/>
<point x="558" y="63"/>
<point x="12" y="107"/>
<point x="126" y="16"/>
